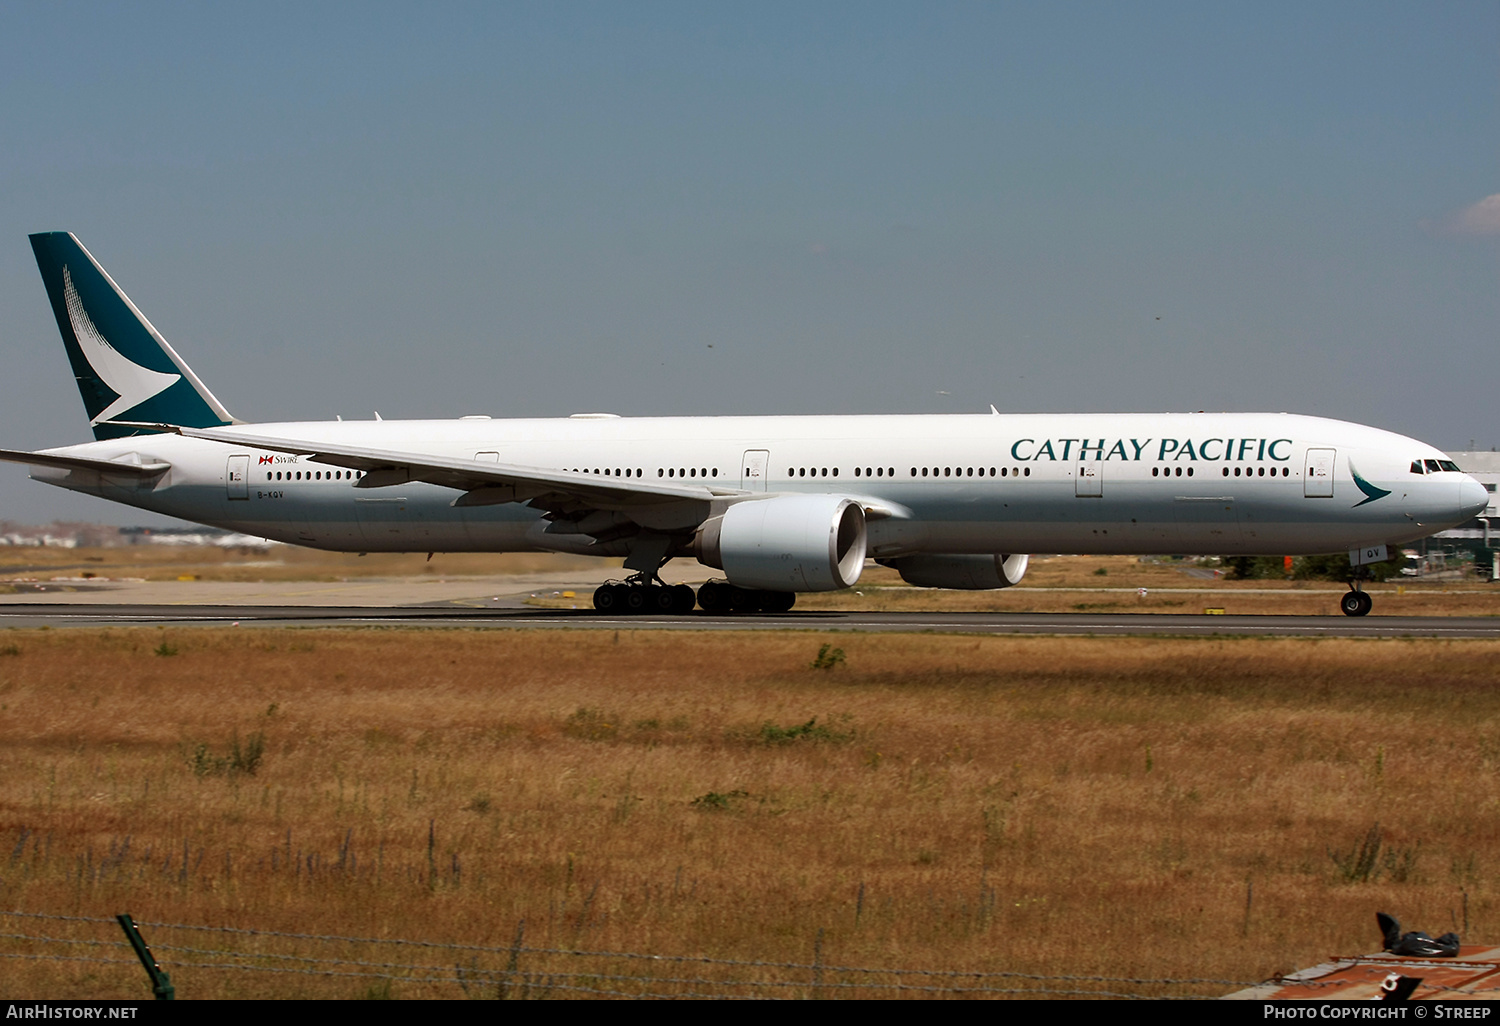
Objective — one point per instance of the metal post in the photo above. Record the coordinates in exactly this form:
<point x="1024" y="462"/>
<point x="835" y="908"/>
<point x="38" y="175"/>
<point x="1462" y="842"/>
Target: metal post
<point x="161" y="983"/>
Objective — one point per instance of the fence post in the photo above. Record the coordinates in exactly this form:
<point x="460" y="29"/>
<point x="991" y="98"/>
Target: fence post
<point x="161" y="983"/>
<point x="817" y="974"/>
<point x="511" y="967"/>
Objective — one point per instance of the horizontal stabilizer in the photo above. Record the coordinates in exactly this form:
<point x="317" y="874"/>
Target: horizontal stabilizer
<point x="65" y="462"/>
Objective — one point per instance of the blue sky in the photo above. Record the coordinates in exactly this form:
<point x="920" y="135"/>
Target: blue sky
<point x="649" y="208"/>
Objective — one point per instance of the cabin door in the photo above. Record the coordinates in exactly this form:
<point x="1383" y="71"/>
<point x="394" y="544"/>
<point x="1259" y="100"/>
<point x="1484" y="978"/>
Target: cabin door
<point x="754" y="464"/>
<point x="1090" y="481"/>
<point x="1318" y="484"/>
<point x="237" y="477"/>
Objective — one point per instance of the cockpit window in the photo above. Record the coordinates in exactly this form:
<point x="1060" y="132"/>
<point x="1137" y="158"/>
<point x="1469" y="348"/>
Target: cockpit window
<point x="1448" y="465"/>
<point x="1432" y="466"/>
<point x="1416" y="467"/>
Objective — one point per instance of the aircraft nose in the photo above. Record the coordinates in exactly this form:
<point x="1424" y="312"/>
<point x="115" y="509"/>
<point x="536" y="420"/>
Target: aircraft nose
<point x="1472" y="498"/>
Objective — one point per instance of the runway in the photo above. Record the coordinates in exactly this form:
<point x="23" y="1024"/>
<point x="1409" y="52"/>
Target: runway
<point x="449" y="615"/>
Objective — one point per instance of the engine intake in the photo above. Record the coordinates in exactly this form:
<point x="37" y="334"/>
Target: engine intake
<point x="788" y="543"/>
<point x="967" y="573"/>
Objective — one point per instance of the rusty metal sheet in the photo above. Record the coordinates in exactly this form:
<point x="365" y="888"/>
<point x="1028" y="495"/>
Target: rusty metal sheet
<point x="1473" y="976"/>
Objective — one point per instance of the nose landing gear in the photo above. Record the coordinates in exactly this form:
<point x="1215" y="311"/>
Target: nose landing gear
<point x="1355" y="602"/>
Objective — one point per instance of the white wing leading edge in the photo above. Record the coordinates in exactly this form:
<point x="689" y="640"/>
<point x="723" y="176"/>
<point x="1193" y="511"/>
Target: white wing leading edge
<point x="482" y="483"/>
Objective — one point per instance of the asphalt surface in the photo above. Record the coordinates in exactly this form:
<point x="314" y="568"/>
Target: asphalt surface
<point x="45" y="614"/>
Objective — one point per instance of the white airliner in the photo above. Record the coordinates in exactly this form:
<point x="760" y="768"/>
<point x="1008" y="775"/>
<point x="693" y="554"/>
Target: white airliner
<point x="779" y="504"/>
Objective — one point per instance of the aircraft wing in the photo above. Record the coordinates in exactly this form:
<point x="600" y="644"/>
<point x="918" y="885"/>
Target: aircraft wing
<point x="66" y="462"/>
<point x="482" y="483"/>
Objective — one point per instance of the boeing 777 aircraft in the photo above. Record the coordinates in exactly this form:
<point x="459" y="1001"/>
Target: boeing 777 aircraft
<point x="779" y="504"/>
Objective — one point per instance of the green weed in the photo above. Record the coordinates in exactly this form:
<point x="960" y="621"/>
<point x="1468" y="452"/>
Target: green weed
<point x="771" y="734"/>
<point x="828" y="658"/>
<point x="715" y="801"/>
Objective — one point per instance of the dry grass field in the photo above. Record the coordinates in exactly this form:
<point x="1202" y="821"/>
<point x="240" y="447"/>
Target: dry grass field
<point x="1115" y="807"/>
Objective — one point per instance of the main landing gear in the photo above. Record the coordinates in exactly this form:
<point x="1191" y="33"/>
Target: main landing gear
<point x="1355" y="602"/>
<point x="641" y="594"/>
<point x="723" y="597"/>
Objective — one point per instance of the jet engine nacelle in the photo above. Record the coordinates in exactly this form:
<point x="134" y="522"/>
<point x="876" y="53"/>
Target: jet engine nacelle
<point x="969" y="573"/>
<point x="788" y="543"/>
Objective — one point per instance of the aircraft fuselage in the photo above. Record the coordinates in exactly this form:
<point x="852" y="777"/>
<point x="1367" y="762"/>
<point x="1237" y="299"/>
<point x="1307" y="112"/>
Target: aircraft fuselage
<point x="1230" y="484"/>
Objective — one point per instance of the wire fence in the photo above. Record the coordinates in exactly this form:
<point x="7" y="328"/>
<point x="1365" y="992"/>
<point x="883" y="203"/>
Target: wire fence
<point x="521" y="971"/>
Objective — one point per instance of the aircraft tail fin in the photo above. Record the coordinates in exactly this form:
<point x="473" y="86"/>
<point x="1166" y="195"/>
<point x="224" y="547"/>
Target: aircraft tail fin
<point x="125" y="370"/>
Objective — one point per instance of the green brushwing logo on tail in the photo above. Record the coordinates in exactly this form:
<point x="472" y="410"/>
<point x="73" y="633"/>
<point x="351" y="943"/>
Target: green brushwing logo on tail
<point x="1371" y="492"/>
<point x="125" y="370"/>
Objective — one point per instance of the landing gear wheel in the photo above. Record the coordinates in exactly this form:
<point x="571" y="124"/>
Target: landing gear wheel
<point x="638" y="599"/>
<point x="714" y="597"/>
<point x="1356" y="603"/>
<point x="606" y="600"/>
<point x="745" y="600"/>
<point x="777" y="601"/>
<point x="683" y="599"/>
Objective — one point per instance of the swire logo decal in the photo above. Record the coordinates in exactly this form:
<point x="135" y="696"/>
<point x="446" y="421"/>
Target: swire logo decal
<point x="1371" y="492"/>
<point x="267" y="459"/>
<point x="130" y="381"/>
